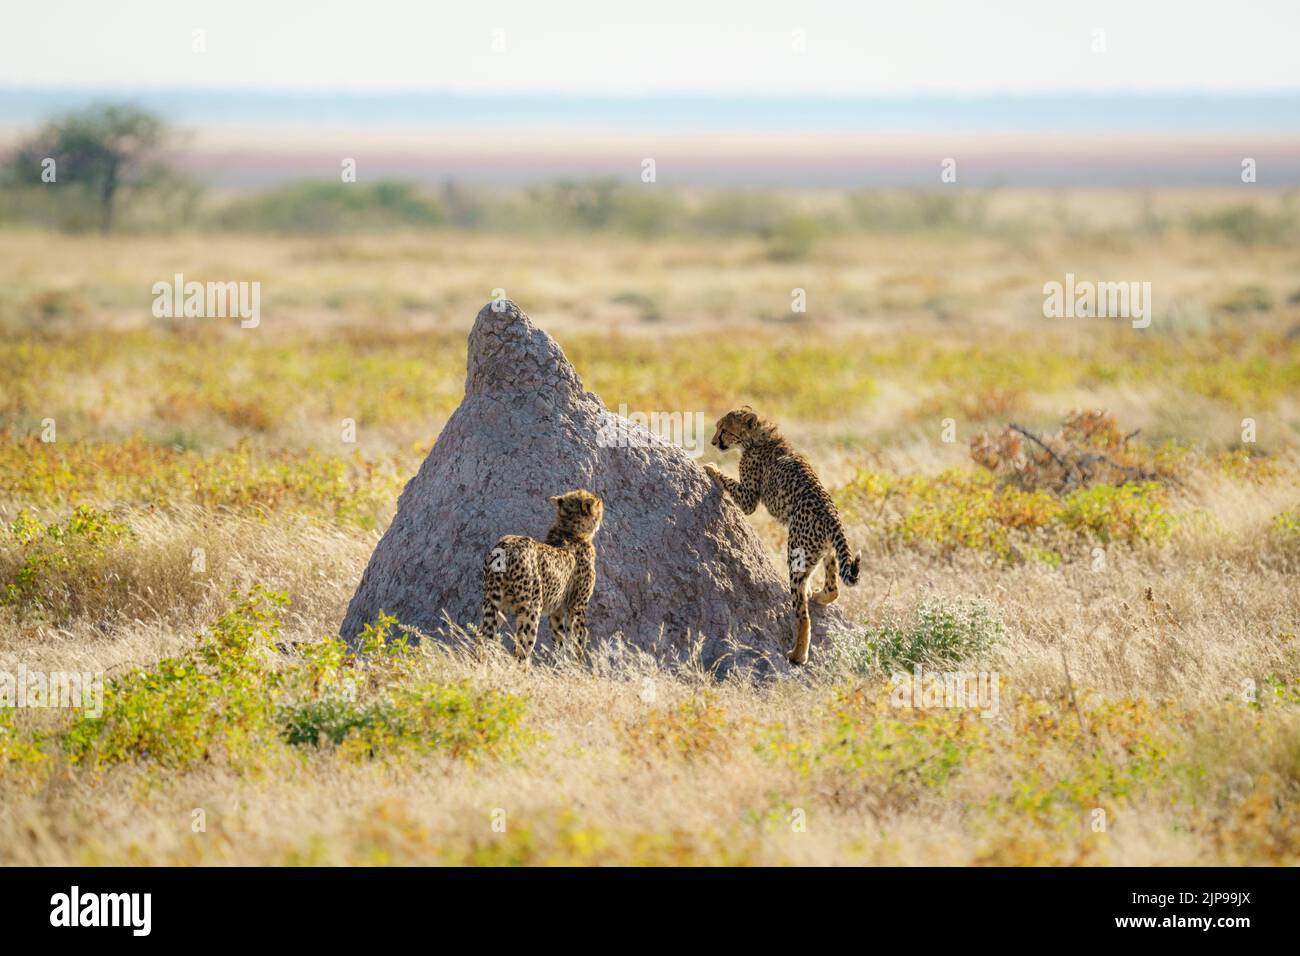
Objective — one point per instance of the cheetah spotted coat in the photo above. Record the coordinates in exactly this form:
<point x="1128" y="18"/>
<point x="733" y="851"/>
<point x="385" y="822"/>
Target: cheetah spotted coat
<point x="556" y="577"/>
<point x="773" y="473"/>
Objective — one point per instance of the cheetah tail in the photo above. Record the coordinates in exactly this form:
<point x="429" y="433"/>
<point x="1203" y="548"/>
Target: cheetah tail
<point x="849" y="567"/>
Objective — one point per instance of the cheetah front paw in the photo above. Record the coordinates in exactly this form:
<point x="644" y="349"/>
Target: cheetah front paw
<point x="714" y="472"/>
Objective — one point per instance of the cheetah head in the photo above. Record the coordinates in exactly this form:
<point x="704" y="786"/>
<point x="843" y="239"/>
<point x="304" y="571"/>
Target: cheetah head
<point x="580" y="511"/>
<point x="736" y="427"/>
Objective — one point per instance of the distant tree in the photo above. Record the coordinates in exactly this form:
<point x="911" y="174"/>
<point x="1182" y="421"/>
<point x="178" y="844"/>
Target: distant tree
<point x="107" y="149"/>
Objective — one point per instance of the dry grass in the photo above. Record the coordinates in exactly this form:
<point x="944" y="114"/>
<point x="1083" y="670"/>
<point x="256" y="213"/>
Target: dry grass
<point x="1184" y="731"/>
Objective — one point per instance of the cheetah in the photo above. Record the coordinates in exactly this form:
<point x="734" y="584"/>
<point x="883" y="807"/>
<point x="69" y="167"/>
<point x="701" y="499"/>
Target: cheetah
<point x="774" y="473"/>
<point x="557" y="576"/>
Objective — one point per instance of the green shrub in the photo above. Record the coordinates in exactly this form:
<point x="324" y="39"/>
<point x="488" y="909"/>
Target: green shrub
<point x="462" y="721"/>
<point x="647" y="305"/>
<point x="44" y="566"/>
<point x="1246" y="224"/>
<point x="1284" y="534"/>
<point x="791" y="238"/>
<point x="333" y="207"/>
<point x="21" y="758"/>
<point x="696" y="728"/>
<point x="939" y="634"/>
<point x="234" y="700"/>
<point x="1125" y="513"/>
<point x="328" y="718"/>
<point x="956" y="510"/>
<point x="215" y="703"/>
<point x="916" y="210"/>
<point x="456" y="719"/>
<point x="575" y="204"/>
<point x="962" y="510"/>
<point x="1255" y="380"/>
<point x="351" y="490"/>
<point x="361" y="704"/>
<point x="740" y="212"/>
<point x="1246" y="299"/>
<point x="863" y="748"/>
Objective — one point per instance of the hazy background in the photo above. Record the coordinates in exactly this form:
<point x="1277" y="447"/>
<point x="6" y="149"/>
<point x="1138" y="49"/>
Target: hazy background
<point x="806" y="95"/>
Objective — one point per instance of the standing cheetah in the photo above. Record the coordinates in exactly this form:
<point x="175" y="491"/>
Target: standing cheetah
<point x="527" y="577"/>
<point x="774" y="473"/>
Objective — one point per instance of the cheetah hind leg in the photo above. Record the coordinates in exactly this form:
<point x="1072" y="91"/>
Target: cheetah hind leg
<point x="803" y="626"/>
<point x="830" y="592"/>
<point x="578" y="625"/>
<point x="526" y="633"/>
<point x="557" y="630"/>
<point x="488" y="625"/>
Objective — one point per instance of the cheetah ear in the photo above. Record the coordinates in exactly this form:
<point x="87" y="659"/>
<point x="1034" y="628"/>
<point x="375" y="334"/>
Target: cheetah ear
<point x="555" y="500"/>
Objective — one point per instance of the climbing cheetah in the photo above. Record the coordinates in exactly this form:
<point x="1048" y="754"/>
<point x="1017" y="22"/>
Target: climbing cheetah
<point x="774" y="473"/>
<point x="528" y="577"/>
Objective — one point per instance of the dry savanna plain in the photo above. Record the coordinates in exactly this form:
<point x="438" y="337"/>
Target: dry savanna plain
<point x="184" y="510"/>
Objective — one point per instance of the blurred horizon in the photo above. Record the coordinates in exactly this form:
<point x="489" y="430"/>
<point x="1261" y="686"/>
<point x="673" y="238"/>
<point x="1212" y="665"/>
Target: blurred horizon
<point x="1081" y="112"/>
<point x="239" y="139"/>
<point x="749" y="94"/>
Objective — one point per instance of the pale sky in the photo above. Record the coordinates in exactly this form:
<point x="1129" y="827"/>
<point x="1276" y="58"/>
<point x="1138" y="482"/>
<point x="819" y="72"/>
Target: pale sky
<point x="851" y="48"/>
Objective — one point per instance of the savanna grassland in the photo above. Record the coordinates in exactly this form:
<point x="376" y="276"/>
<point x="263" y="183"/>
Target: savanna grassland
<point x="1141" y="613"/>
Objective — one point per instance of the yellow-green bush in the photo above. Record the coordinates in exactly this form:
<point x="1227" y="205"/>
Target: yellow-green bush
<point x="456" y="719"/>
<point x="1258" y="380"/>
<point x="348" y="490"/>
<point x="694" y="729"/>
<point x="1284" y="535"/>
<point x="862" y="746"/>
<point x="1066" y="767"/>
<point x="798" y="378"/>
<point x="213" y="704"/>
<point x="1126" y="514"/>
<point x="375" y="709"/>
<point x="567" y="841"/>
<point x="377" y="379"/>
<point x="969" y="511"/>
<point x="22" y="759"/>
<point x="234" y="699"/>
<point x="51" y="567"/>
